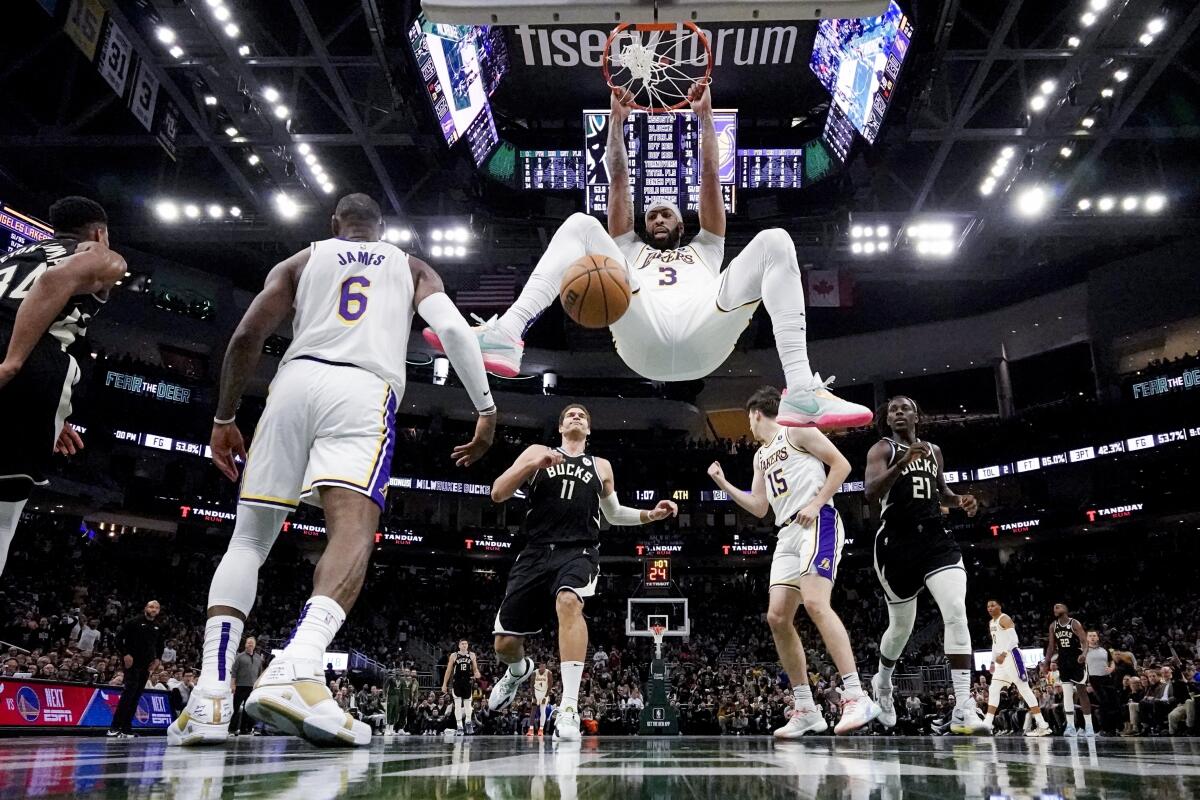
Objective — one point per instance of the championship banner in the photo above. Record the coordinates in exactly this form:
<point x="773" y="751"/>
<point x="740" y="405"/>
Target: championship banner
<point x="51" y="704"/>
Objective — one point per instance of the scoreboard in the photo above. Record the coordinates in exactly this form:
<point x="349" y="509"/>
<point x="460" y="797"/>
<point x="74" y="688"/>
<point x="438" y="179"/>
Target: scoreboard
<point x="664" y="158"/>
<point x="658" y="573"/>
<point x="838" y="133"/>
<point x="771" y="168"/>
<point x="19" y="230"/>
<point x="481" y="136"/>
<point x="551" y="169"/>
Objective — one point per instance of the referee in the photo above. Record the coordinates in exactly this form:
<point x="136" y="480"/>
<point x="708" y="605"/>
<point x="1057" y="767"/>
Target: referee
<point x="141" y="642"/>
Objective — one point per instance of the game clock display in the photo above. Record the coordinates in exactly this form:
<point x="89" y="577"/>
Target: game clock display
<point x="658" y="573"/>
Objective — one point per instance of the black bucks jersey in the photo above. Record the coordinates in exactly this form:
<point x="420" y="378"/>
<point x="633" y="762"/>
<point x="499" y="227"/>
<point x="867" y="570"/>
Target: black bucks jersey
<point x="564" y="503"/>
<point x="462" y="674"/>
<point x="20" y="270"/>
<point x="914" y="497"/>
<point x="1069" y="650"/>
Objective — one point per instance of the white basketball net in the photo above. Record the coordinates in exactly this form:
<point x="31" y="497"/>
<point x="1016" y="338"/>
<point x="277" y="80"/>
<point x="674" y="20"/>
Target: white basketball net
<point x="654" y="66"/>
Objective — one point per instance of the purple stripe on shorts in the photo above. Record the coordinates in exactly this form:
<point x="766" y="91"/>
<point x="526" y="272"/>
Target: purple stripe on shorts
<point x="384" y="473"/>
<point x="223" y="648"/>
<point x="826" y="542"/>
<point x="1019" y="663"/>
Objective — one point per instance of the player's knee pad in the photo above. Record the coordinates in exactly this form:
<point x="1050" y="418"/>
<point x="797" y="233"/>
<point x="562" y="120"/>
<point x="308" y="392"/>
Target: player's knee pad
<point x="901" y="617"/>
<point x="235" y="583"/>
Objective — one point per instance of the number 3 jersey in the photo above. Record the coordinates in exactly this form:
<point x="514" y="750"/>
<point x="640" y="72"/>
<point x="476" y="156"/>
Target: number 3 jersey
<point x="793" y="476"/>
<point x="354" y="305"/>
<point x="564" y="503"/>
<point x="689" y="270"/>
<point x="914" y="497"/>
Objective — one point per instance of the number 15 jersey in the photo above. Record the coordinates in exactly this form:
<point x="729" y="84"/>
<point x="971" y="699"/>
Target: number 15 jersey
<point x="354" y="305"/>
<point x="793" y="476"/>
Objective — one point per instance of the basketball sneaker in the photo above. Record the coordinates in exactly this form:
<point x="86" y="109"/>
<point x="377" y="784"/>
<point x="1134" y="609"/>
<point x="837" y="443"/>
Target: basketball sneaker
<point x="566" y="725"/>
<point x="1039" y="730"/>
<point x="886" y="701"/>
<point x="965" y="721"/>
<point x="816" y="407"/>
<point x="205" y="719"/>
<point x="501" y="353"/>
<point x="506" y="688"/>
<point x="856" y="712"/>
<point x="809" y="720"/>
<point x="292" y="696"/>
<point x="1070" y="732"/>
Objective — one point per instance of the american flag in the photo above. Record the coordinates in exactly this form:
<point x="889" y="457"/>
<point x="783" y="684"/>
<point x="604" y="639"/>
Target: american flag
<point x="491" y="291"/>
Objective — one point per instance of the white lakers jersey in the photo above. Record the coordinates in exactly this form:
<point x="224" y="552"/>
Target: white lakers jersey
<point x="1003" y="639"/>
<point x="354" y="305"/>
<point x="690" y="269"/>
<point x="541" y="681"/>
<point x="794" y="476"/>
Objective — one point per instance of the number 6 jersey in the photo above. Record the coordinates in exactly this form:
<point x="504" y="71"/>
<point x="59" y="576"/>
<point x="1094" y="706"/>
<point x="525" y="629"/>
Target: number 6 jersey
<point x="354" y="305"/>
<point x="793" y="476"/>
<point x="564" y="503"/>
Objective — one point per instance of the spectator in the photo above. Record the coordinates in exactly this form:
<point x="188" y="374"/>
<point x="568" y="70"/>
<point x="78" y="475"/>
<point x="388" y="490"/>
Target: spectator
<point x="247" y="666"/>
<point x="168" y="654"/>
<point x="141" y="641"/>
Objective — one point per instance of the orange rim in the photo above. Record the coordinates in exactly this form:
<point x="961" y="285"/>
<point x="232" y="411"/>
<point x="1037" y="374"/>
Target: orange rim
<point x="706" y="78"/>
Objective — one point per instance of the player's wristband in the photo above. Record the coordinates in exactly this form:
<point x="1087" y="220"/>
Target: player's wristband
<point x="229" y="421"/>
<point x="490" y="411"/>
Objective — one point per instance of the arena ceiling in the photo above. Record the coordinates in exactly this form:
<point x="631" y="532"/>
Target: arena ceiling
<point x="346" y="74"/>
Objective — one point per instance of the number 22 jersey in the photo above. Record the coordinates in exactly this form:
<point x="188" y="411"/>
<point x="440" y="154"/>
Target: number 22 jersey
<point x="354" y="305"/>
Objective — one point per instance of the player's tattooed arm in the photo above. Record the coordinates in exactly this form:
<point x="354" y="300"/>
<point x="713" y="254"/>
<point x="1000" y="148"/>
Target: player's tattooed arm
<point x="712" y="201"/>
<point x="266" y="313"/>
<point x="966" y="502"/>
<point x="755" y="501"/>
<point x="620" y="206"/>
<point x="535" y="457"/>
<point x="618" y="514"/>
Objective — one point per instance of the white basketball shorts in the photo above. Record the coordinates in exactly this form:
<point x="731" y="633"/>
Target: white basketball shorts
<point x="324" y="425"/>
<point x="809" y="550"/>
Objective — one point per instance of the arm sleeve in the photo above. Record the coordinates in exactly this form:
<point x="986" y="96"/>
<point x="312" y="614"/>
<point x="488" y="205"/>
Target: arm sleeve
<point x="461" y="347"/>
<point x="617" y="514"/>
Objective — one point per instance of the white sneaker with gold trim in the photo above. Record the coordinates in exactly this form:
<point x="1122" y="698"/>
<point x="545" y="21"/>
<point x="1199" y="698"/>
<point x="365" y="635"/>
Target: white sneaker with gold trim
<point x="292" y="696"/>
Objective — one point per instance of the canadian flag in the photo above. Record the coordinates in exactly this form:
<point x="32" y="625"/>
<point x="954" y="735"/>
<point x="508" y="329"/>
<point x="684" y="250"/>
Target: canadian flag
<point x="829" y="288"/>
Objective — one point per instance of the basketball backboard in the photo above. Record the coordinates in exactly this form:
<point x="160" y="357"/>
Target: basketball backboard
<point x="570" y="12"/>
<point x="670" y="612"/>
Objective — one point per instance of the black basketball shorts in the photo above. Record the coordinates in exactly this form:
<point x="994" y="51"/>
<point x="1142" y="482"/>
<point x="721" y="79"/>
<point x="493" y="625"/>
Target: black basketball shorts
<point x="537" y="576"/>
<point x="1070" y="670"/>
<point x="33" y="407"/>
<point x="907" y="555"/>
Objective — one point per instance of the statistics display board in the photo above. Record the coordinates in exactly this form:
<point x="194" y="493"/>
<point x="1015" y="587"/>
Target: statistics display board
<point x="838" y="134"/>
<point x="760" y="168"/>
<point x="482" y="139"/>
<point x="664" y="158"/>
<point x="858" y="61"/>
<point x="461" y="66"/>
<point x="551" y="169"/>
<point x="19" y="230"/>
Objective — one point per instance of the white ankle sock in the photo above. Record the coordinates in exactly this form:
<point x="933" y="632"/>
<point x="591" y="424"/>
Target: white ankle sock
<point x="222" y="635"/>
<point x="804" y="697"/>
<point x="885" y="677"/>
<point x="851" y="685"/>
<point x="319" y="622"/>
<point x="572" y="674"/>
<point x="961" y="680"/>
<point x="518" y="668"/>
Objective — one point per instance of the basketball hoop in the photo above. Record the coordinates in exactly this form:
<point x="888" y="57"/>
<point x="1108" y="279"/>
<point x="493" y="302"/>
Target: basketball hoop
<point x="657" y="631"/>
<point x="657" y="63"/>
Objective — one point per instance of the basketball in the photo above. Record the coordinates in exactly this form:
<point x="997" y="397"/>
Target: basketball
<point x="594" y="291"/>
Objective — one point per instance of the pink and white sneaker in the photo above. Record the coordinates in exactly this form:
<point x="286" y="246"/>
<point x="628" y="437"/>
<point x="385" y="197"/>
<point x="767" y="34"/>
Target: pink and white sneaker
<point x="856" y="712"/>
<point x="501" y="353"/>
<point x="816" y="407"/>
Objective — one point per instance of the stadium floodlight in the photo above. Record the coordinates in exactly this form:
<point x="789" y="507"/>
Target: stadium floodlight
<point x="165" y="34"/>
<point x="232" y="30"/>
<point x="856" y="232"/>
<point x="1088" y="19"/>
<point x="191" y="211"/>
<point x="166" y="211"/>
<point x="1156" y="26"/>
<point x="1008" y="152"/>
<point x="1037" y="102"/>
<point x="282" y="112"/>
<point x="271" y="94"/>
<point x="883" y="246"/>
<point x="461" y="234"/>
<point x="988" y="186"/>
<point x="1121" y="75"/>
<point x="1129" y="203"/>
<point x="1032" y="201"/>
<point x="286" y="206"/>
<point x="1106" y="92"/>
<point x="1146" y="39"/>
<point x="1098" y="5"/>
<point x="436" y="251"/>
<point x="1048" y="86"/>
<point x="1084" y="204"/>
<point x="1106" y="203"/>
<point x="856" y="248"/>
<point x="405" y="235"/>
<point x="328" y="188"/>
<point x="460" y="251"/>
<point x="1155" y="203"/>
<point x="304" y="148"/>
<point x="310" y="159"/>
<point x="244" y="50"/>
<point x="869" y="248"/>
<point x="998" y="169"/>
<point x="319" y="171"/>
<point x="1066" y="152"/>
<point x="1073" y="41"/>
<point x="883" y="231"/>
<point x="1088" y="122"/>
<point x="176" y="52"/>
<point x="215" y="211"/>
<point x="935" y="247"/>
<point x="235" y="212"/>
<point x="210" y="100"/>
<point x="436" y="234"/>
<point x="221" y="13"/>
<point x="253" y="159"/>
<point x="231" y="131"/>
<point x="391" y="235"/>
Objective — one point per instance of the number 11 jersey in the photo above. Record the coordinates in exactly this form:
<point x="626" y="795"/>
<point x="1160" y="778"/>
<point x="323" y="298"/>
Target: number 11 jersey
<point x="564" y="503"/>
<point x="354" y="306"/>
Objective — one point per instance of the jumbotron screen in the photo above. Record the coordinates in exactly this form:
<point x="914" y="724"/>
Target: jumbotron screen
<point x="461" y="66"/>
<point x="858" y="61"/>
<point x="551" y="169"/>
<point x="664" y="158"/>
<point x="771" y="168"/>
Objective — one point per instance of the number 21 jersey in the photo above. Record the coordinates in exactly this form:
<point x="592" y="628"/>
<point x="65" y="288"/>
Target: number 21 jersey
<point x="914" y="497"/>
<point x="354" y="305"/>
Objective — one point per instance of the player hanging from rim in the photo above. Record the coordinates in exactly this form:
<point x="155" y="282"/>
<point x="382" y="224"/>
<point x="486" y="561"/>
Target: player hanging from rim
<point x="49" y="291"/>
<point x="1009" y="668"/>
<point x="790" y="479"/>
<point x="567" y="490"/>
<point x="914" y="552"/>
<point x="1066" y="641"/>
<point x="543" y="679"/>
<point x="462" y="666"/>
<point x="685" y="315"/>
<point x="325" y="437"/>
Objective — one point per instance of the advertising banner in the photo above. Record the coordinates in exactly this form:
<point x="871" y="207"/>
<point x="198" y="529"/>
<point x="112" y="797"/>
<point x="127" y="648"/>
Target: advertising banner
<point x="51" y="704"/>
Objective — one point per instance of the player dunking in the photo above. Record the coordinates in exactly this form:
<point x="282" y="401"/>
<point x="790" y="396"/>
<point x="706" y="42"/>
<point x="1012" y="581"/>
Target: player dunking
<point x="1009" y="668"/>
<point x="49" y="292"/>
<point x="1066" y="641"/>
<point x="462" y="666"/>
<point x="567" y="489"/>
<point x="325" y="437"/>
<point x="790" y="479"/>
<point x="542" y="679"/>
<point x="685" y="315"/>
<point x="914" y="552"/>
